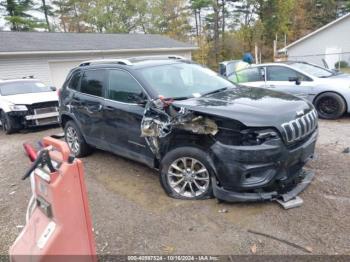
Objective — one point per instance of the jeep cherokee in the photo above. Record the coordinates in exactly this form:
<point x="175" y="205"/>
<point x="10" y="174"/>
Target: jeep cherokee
<point x="204" y="134"/>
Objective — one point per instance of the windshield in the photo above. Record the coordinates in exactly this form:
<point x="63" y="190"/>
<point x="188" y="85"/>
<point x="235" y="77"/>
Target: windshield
<point x="183" y="80"/>
<point x="15" y="88"/>
<point x="313" y="70"/>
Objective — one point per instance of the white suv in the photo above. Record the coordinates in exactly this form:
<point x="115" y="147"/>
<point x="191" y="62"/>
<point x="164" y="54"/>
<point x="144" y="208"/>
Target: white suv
<point x="25" y="103"/>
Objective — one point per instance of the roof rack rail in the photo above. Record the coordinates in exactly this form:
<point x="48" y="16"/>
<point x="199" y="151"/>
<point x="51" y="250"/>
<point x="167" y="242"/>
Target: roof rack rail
<point x="128" y="61"/>
<point x="106" y="61"/>
<point x="155" y="57"/>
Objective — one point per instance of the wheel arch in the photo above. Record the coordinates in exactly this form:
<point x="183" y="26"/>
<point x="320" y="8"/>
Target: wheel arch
<point x="188" y="139"/>
<point x="334" y="92"/>
<point x="68" y="117"/>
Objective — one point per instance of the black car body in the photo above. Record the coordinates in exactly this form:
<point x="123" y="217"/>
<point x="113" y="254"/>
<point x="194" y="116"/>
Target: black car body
<point x="241" y="144"/>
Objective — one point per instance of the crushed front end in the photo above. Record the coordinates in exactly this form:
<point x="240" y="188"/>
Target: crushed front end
<point x="262" y="172"/>
<point x="38" y="114"/>
<point x="268" y="165"/>
<point x="250" y="164"/>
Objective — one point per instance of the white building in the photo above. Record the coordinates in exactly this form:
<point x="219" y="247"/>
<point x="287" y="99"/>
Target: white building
<point x="50" y="56"/>
<point x="330" y="44"/>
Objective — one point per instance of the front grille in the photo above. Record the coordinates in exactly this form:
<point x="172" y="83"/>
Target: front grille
<point x="47" y="121"/>
<point x="32" y="107"/>
<point x="45" y="110"/>
<point x="301" y="127"/>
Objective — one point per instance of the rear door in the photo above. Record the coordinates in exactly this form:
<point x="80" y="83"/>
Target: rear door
<point x="278" y="78"/>
<point x="123" y="115"/>
<point x="89" y="103"/>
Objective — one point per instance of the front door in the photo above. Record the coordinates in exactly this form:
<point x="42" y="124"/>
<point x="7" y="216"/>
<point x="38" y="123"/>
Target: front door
<point x="279" y="78"/>
<point x="123" y="115"/>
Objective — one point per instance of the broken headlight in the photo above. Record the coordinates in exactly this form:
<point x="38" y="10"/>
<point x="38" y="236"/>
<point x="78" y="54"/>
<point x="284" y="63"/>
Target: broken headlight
<point x="253" y="137"/>
<point x="246" y="137"/>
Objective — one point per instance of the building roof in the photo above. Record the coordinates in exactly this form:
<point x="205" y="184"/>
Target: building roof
<point x="316" y="32"/>
<point x="44" y="42"/>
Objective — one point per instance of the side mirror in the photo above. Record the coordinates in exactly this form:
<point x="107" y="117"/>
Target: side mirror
<point x="295" y="79"/>
<point x="53" y="88"/>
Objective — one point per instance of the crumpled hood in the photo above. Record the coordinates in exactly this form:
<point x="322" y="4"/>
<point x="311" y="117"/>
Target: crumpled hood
<point x="254" y="107"/>
<point x="31" y="98"/>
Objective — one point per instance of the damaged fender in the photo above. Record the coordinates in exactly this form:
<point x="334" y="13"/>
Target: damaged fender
<point x="161" y="118"/>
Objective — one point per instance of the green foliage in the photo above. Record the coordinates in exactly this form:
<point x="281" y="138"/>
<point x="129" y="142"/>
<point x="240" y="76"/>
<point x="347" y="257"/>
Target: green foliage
<point x="170" y="17"/>
<point x="341" y="64"/>
<point x="47" y="10"/>
<point x="222" y="29"/>
<point x="17" y="15"/>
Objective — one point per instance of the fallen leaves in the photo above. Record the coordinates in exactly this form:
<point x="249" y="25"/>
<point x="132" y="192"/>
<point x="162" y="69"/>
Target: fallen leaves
<point x="168" y="249"/>
<point x="253" y="248"/>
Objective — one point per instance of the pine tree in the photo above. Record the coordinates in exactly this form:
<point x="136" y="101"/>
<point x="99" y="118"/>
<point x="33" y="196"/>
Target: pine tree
<point x="47" y="10"/>
<point x="17" y="15"/>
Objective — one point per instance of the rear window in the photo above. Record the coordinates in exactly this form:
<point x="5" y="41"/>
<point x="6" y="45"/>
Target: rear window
<point x="74" y="81"/>
<point x="93" y="82"/>
<point x="16" y="88"/>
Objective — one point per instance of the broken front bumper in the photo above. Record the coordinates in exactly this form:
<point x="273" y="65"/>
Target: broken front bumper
<point x="222" y="194"/>
<point x="45" y="116"/>
<point x="264" y="172"/>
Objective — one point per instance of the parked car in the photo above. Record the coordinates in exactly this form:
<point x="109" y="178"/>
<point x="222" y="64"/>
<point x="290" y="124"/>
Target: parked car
<point x="204" y="134"/>
<point x="27" y="103"/>
<point x="328" y="90"/>
<point x="227" y="68"/>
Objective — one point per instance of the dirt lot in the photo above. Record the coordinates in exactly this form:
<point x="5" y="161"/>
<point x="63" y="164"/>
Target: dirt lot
<point x="132" y="215"/>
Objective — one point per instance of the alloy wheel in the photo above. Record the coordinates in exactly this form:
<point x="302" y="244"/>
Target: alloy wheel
<point x="328" y="106"/>
<point x="72" y="140"/>
<point x="188" y="177"/>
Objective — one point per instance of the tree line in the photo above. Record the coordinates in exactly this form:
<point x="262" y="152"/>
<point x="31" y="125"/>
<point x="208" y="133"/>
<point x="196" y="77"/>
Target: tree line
<point x="222" y="29"/>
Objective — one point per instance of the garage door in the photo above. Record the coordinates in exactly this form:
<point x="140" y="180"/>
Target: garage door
<point x="60" y="70"/>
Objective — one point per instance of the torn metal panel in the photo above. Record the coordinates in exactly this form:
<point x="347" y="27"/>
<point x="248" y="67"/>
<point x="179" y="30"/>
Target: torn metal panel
<point x="160" y="119"/>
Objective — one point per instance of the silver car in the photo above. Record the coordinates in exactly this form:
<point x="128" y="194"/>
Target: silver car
<point x="329" y="91"/>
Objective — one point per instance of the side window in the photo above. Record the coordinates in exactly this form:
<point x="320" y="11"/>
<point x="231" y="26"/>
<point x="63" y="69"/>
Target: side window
<point x="74" y="81"/>
<point x="280" y="73"/>
<point x="123" y="87"/>
<point x="304" y="77"/>
<point x="92" y="82"/>
<point x="249" y="75"/>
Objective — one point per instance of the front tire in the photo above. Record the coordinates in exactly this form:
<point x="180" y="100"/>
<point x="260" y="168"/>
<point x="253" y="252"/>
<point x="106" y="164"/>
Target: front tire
<point x="75" y="140"/>
<point x="330" y="105"/>
<point x="8" y="123"/>
<point x="185" y="173"/>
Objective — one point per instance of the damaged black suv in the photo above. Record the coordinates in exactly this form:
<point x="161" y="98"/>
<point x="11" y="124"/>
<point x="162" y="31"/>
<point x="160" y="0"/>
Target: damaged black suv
<point x="206" y="135"/>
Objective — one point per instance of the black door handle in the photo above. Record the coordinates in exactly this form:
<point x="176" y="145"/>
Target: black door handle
<point x="93" y="108"/>
<point x="109" y="108"/>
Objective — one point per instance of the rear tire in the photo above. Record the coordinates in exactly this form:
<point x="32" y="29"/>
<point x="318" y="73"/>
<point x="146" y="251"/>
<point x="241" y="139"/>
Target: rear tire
<point x="8" y="123"/>
<point x="75" y="140"/>
<point x="330" y="105"/>
<point x="186" y="173"/>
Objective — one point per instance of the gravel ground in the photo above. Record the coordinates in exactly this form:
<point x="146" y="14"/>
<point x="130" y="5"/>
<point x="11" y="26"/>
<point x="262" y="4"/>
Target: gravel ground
<point x="132" y="215"/>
